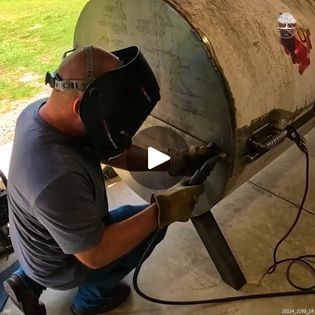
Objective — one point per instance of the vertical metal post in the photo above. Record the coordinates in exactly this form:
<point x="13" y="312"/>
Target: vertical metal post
<point x="219" y="250"/>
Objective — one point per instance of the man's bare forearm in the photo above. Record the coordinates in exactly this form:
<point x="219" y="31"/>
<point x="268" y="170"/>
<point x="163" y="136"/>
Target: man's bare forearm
<point x="120" y="238"/>
<point x="135" y="159"/>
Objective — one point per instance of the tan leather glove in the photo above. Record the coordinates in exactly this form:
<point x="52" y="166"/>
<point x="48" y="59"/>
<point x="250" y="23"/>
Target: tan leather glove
<point x="186" y="162"/>
<point x="177" y="203"/>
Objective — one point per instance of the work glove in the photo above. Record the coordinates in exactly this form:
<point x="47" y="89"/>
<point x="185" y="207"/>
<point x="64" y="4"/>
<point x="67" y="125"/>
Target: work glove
<point x="177" y="203"/>
<point x="185" y="162"/>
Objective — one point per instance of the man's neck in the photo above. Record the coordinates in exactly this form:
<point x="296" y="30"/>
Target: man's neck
<point x="57" y="119"/>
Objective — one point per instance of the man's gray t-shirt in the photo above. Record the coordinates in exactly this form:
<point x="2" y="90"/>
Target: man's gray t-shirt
<point x="57" y="201"/>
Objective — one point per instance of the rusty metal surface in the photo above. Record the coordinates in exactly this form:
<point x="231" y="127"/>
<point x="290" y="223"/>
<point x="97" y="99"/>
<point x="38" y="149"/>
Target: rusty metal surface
<point x="244" y="42"/>
<point x="193" y="99"/>
<point x="220" y="66"/>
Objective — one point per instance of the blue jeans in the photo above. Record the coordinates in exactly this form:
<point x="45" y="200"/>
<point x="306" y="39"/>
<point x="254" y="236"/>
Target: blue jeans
<point x="100" y="285"/>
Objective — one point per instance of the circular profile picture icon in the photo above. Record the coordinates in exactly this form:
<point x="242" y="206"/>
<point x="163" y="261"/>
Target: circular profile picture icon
<point x="286" y="25"/>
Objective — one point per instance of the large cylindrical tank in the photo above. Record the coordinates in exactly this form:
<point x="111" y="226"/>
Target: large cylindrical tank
<point x="224" y="70"/>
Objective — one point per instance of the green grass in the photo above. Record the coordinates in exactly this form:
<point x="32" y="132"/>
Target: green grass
<point x="33" y="36"/>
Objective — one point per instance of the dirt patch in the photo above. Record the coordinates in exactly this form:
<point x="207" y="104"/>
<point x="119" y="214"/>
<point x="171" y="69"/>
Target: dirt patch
<point x="30" y="77"/>
<point x="8" y="119"/>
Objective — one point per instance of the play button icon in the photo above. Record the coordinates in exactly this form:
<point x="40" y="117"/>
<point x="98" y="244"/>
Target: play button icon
<point x="155" y="142"/>
<point x="156" y="157"/>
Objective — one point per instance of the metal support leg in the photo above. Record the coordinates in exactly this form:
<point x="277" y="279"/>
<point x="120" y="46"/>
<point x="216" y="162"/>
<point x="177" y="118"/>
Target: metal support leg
<point x="219" y="250"/>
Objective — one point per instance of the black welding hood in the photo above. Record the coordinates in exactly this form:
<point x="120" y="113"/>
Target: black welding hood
<point x="115" y="105"/>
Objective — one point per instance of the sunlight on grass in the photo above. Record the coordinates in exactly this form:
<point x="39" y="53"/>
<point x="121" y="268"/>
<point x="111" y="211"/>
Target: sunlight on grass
<point x="33" y="36"/>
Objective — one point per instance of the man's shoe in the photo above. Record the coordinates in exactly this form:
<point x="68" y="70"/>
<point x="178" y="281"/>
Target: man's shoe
<point x="23" y="297"/>
<point x="122" y="293"/>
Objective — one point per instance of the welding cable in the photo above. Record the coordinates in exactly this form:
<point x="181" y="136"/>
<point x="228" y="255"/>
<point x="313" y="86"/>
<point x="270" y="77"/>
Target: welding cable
<point x="149" y="249"/>
<point x="306" y="260"/>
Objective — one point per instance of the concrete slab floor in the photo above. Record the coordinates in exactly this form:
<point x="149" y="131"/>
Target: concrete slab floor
<point x="252" y="218"/>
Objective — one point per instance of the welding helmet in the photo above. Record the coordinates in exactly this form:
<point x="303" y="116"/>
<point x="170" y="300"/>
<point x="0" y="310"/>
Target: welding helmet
<point x="115" y="104"/>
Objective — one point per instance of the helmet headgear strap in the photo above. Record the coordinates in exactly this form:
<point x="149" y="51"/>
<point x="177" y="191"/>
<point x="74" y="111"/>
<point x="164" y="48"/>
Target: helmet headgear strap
<point x="89" y="63"/>
<point x="57" y="83"/>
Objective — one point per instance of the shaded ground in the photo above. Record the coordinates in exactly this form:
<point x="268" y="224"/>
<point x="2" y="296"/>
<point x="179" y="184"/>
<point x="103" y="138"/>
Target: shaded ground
<point x="8" y="119"/>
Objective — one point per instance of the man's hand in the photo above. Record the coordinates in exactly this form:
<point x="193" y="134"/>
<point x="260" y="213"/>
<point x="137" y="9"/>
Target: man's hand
<point x="177" y="203"/>
<point x="186" y="162"/>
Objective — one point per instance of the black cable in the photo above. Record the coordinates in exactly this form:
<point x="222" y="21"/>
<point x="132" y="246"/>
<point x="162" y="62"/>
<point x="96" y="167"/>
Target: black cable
<point x="301" y="259"/>
<point x="305" y="260"/>
<point x="209" y="301"/>
<point x="272" y="268"/>
<point x="307" y="263"/>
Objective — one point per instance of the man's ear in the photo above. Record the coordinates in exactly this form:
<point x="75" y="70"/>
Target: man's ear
<point x="76" y="106"/>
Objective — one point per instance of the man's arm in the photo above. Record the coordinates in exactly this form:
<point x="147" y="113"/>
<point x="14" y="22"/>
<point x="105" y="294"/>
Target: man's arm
<point x="135" y="159"/>
<point x="183" y="162"/>
<point x="120" y="238"/>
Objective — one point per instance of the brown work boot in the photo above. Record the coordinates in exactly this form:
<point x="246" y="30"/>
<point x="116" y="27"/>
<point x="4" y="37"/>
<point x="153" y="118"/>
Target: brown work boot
<point x="23" y="297"/>
<point x="122" y="293"/>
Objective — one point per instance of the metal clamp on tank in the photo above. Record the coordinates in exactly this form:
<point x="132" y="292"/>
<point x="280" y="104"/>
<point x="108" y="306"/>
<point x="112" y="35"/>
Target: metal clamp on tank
<point x="268" y="136"/>
<point x="264" y="139"/>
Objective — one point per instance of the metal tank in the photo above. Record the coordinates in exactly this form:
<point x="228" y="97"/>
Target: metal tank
<point x="234" y="73"/>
